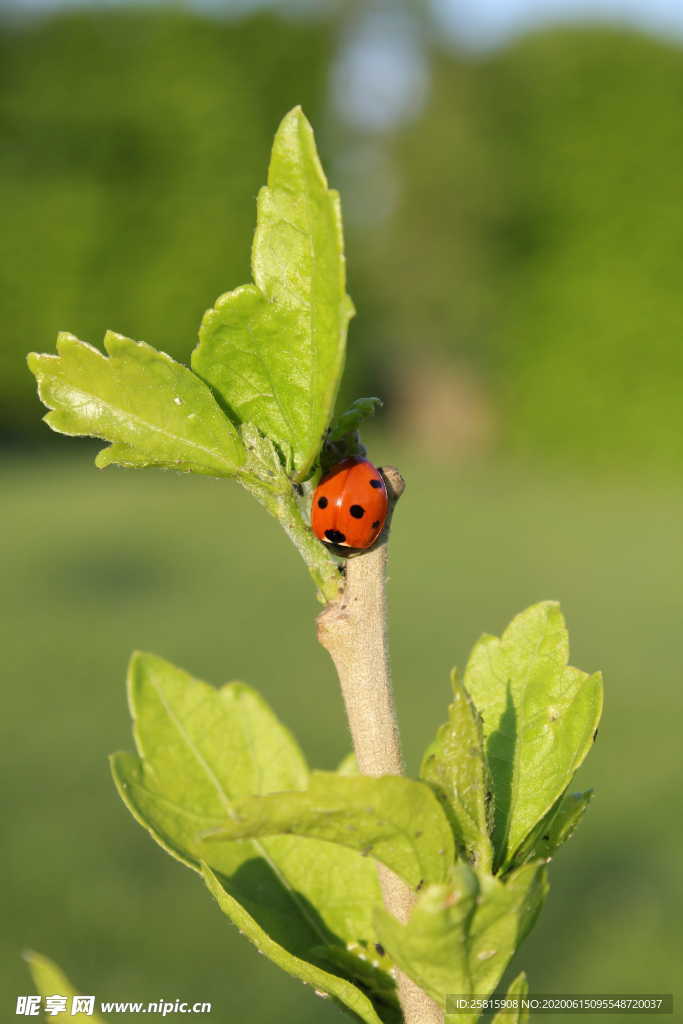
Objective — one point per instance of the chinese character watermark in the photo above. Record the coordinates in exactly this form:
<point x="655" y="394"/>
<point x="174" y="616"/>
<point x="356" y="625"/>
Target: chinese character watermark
<point x="28" y="1006"/>
<point x="55" y="1005"/>
<point x="82" y="1004"/>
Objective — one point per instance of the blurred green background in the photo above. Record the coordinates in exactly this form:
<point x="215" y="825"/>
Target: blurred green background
<point x="514" y="227"/>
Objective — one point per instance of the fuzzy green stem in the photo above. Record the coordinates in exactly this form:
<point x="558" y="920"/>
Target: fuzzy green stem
<point x="283" y="505"/>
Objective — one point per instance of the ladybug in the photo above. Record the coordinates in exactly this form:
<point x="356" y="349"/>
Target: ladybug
<point x="350" y="505"/>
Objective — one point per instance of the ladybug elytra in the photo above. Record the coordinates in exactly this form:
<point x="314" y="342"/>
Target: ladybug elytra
<point x="350" y="505"/>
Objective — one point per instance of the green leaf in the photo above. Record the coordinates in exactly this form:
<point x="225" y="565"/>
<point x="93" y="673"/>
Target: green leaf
<point x="460" y="937"/>
<point x="152" y="410"/>
<point x="274" y="351"/>
<point x="562" y="824"/>
<point x="554" y="828"/>
<point x="516" y="990"/>
<point x="525" y="850"/>
<point x="50" y="980"/>
<point x="455" y="765"/>
<point x="342" y="991"/>
<point x="350" y="420"/>
<point x="396" y="820"/>
<point x="538" y="718"/>
<point x="200" y="751"/>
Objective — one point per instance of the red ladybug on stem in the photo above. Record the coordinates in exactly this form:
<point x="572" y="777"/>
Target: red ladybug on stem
<point x="350" y="505"/>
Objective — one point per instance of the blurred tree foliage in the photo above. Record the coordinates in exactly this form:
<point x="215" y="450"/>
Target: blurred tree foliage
<point x="535" y="245"/>
<point x="542" y="192"/>
<point x="132" y="147"/>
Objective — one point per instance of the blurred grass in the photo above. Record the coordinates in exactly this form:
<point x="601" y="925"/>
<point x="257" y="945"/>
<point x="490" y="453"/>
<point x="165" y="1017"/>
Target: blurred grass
<point x="97" y="564"/>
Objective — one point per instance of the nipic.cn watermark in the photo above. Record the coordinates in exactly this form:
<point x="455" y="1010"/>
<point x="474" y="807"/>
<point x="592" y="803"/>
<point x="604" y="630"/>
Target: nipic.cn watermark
<point x="51" y="1006"/>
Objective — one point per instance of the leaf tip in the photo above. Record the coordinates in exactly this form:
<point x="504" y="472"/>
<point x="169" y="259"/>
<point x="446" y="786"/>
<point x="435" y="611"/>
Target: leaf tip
<point x="39" y="364"/>
<point x="33" y="362"/>
<point x="294" y="116"/>
<point x="136" y="675"/>
<point x="116" y="344"/>
<point x="117" y="767"/>
<point x="294" y="144"/>
<point x="137" y="663"/>
<point x="104" y="458"/>
<point x="68" y="342"/>
<point x="291" y="125"/>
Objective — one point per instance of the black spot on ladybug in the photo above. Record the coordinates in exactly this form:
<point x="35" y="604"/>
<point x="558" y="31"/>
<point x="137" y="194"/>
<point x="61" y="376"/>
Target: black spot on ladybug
<point x="357" y="511"/>
<point x="380" y="948"/>
<point x="322" y="502"/>
<point x="375" y="524"/>
<point x="375" y="483"/>
<point x="335" y="536"/>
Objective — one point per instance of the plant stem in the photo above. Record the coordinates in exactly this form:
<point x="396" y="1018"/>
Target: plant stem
<point x="284" y="507"/>
<point x="353" y="629"/>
